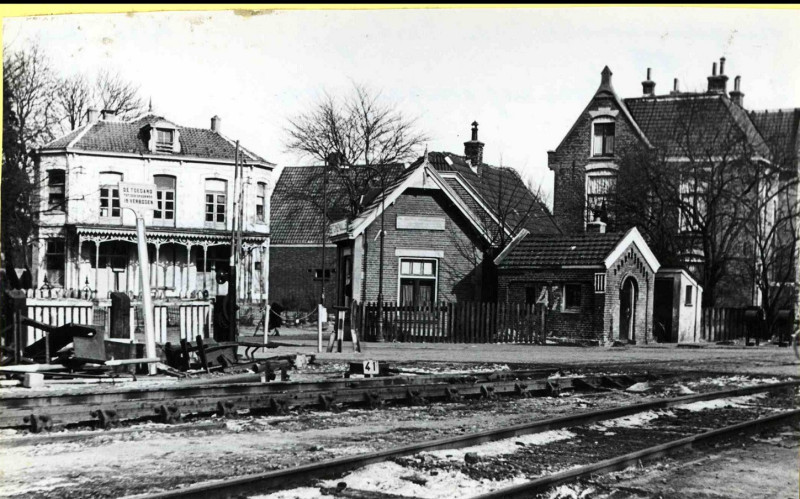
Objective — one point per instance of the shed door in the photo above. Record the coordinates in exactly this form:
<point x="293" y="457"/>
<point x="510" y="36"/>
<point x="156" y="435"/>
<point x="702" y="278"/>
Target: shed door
<point x="663" y="301"/>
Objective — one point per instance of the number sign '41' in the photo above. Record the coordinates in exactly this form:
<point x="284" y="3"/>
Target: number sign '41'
<point x="371" y="368"/>
<point x="139" y="197"/>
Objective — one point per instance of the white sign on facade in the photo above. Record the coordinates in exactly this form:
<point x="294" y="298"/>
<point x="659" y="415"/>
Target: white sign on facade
<point x="137" y="196"/>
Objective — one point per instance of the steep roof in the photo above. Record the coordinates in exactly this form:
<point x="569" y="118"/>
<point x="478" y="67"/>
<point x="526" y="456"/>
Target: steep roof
<point x="781" y="131"/>
<point x="296" y="203"/>
<point x="560" y="250"/>
<point x="501" y="189"/>
<point x="127" y="137"/>
<point x="694" y="124"/>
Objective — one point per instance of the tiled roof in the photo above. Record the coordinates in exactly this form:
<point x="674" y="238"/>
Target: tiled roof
<point x="296" y="204"/>
<point x="127" y="137"/>
<point x="559" y="250"/>
<point x="780" y="130"/>
<point x="694" y="124"/>
<point x="502" y="190"/>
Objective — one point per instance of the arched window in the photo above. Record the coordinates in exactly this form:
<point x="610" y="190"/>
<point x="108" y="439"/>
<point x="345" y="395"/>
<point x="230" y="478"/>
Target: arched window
<point x="216" y="191"/>
<point x="164" y="214"/>
<point x="109" y="195"/>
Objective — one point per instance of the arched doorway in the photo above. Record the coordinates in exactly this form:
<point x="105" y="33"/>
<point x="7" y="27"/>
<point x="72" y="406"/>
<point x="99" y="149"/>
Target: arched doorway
<point x="628" y="295"/>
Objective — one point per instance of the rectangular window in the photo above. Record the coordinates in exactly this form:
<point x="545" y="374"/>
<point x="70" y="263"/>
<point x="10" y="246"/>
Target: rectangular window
<point x="603" y="140"/>
<point x="261" y="196"/>
<point x="572" y="297"/>
<point x="318" y="274"/>
<point x="215" y="201"/>
<point x="55" y="190"/>
<point x="600" y="193"/>
<point x="689" y="293"/>
<point x="55" y="262"/>
<point x="164" y="140"/>
<point x="692" y="210"/>
<point x="109" y="201"/>
<point x="164" y="214"/>
<point x="418" y="280"/>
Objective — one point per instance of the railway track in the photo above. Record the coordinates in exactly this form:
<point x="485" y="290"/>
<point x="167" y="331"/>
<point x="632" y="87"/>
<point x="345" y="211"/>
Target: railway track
<point x="169" y="405"/>
<point x="617" y="449"/>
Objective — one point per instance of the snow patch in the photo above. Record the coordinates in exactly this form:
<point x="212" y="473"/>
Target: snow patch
<point x="721" y="403"/>
<point x="639" y="420"/>
<point x="298" y="493"/>
<point x="505" y="446"/>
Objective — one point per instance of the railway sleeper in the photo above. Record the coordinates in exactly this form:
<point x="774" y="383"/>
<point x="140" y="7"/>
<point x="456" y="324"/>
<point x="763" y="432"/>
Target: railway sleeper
<point x="522" y="390"/>
<point x="169" y="414"/>
<point x="38" y="423"/>
<point x="106" y="418"/>
<point x="553" y="389"/>
<point x="487" y="393"/>
<point x="278" y="406"/>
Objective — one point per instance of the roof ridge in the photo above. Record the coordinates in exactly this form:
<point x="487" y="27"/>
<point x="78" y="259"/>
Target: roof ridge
<point x="786" y="110"/>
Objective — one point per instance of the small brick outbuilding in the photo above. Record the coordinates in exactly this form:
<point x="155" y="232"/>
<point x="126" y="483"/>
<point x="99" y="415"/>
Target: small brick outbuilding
<point x="598" y="286"/>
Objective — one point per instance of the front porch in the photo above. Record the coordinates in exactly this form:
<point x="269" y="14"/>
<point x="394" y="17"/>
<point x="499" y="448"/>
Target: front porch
<point x="93" y="261"/>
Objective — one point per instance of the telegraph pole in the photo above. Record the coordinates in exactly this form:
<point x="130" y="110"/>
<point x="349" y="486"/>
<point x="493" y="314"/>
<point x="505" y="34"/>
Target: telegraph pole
<point x="233" y="259"/>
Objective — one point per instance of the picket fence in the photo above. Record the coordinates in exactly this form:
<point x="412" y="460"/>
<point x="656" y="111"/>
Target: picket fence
<point x="463" y="322"/>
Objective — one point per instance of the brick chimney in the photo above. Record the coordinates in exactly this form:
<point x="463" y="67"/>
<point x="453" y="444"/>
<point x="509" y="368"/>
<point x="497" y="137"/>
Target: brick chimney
<point x="109" y="115"/>
<point x="675" y="90"/>
<point x="596" y="226"/>
<point x="737" y="95"/>
<point x="718" y="84"/>
<point x="648" y="86"/>
<point x="216" y="124"/>
<point x="473" y="149"/>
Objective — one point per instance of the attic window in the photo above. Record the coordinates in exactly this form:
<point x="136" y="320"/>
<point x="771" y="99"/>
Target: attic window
<point x="164" y="140"/>
<point x="603" y="138"/>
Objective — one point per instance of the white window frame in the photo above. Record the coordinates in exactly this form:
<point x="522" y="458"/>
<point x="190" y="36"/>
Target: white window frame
<point x="434" y="277"/>
<point x="597" y="174"/>
<point x="600" y="283"/>
<point x="62" y="255"/>
<point x="261" y="200"/>
<point x="215" y="204"/>
<point x="165" y="146"/>
<point x="110" y="198"/>
<point x="161" y="201"/>
<point x="603" y="120"/>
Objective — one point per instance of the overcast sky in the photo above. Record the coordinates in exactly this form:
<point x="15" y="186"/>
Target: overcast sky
<point x="524" y="73"/>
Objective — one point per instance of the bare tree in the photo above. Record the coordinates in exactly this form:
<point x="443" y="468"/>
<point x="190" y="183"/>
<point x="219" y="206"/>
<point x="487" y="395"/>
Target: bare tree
<point x="695" y="196"/>
<point x="360" y="138"/>
<point x="113" y="93"/>
<point x="73" y="95"/>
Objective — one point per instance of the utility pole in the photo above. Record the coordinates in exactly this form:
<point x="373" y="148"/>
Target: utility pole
<point x="324" y="230"/>
<point x="380" y="336"/>
<point x="233" y="260"/>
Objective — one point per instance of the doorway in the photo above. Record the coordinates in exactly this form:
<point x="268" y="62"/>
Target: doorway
<point x="627" y="309"/>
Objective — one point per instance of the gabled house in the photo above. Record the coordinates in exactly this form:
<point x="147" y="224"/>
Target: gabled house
<point x="443" y="220"/>
<point x="694" y="142"/>
<point x="445" y="217"/>
<point x="85" y="244"/>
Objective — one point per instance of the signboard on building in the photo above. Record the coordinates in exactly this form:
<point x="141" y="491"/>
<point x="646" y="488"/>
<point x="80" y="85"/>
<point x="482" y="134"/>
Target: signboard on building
<point x="137" y="196"/>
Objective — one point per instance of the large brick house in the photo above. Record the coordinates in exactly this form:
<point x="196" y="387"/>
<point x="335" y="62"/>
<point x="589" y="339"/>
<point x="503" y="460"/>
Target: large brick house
<point x="85" y="244"/>
<point x="597" y="287"/>
<point x="597" y="161"/>
<point x="445" y="217"/>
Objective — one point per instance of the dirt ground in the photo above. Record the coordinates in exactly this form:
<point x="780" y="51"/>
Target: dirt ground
<point x="147" y="461"/>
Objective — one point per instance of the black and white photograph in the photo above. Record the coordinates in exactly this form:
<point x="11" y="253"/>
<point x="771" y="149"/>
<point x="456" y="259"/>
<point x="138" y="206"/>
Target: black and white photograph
<point x="400" y="251"/>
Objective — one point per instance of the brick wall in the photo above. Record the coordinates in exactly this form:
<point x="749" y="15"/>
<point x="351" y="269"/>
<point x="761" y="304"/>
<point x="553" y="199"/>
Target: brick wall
<point x="585" y="324"/>
<point x="290" y="282"/>
<point x="459" y="280"/>
<point x="570" y="160"/>
<point x="629" y="264"/>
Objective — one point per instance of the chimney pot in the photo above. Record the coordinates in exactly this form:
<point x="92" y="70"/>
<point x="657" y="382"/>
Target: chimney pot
<point x="714" y="69"/>
<point x="718" y="84"/>
<point x="736" y="82"/>
<point x="216" y="124"/>
<point x="648" y="86"/>
<point x="473" y="150"/>
<point x="737" y="95"/>
<point x="109" y="115"/>
<point x="596" y="226"/>
<point x="721" y="65"/>
<point x="675" y="87"/>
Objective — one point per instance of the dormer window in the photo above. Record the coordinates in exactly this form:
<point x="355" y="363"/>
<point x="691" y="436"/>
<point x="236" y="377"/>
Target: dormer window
<point x="165" y="140"/>
<point x="603" y="138"/>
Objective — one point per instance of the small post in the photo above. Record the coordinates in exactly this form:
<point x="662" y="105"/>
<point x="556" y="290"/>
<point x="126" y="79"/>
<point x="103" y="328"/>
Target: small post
<point x="147" y="301"/>
<point x="267" y="311"/>
<point x="322" y="316"/>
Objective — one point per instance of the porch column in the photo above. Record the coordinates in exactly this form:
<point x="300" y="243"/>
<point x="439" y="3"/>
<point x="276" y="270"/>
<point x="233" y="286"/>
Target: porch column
<point x="185" y="287"/>
<point x="265" y="273"/>
<point x="157" y="264"/>
<point x="76" y="279"/>
<point x="205" y="267"/>
<point x="96" y="265"/>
